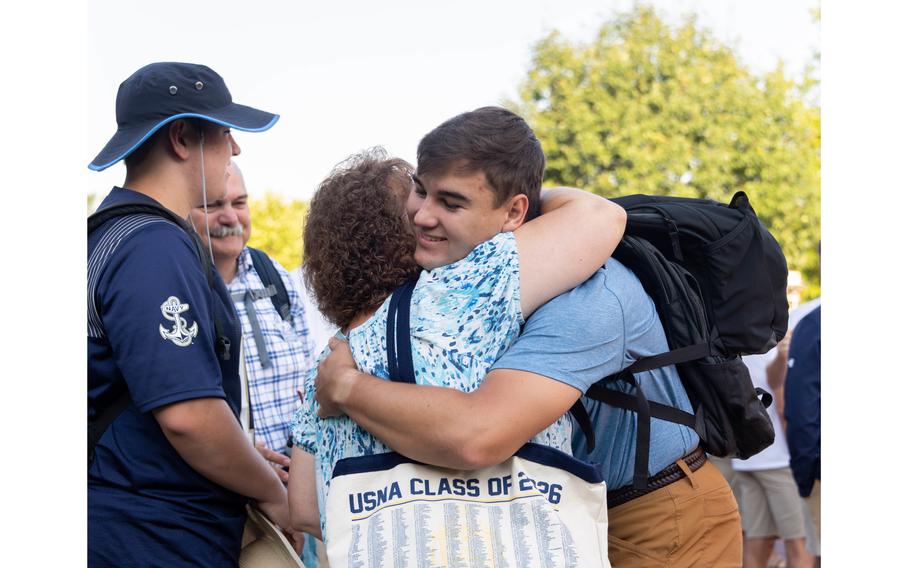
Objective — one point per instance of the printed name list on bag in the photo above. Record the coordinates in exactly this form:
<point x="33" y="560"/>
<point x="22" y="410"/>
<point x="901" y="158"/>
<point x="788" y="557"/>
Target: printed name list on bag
<point x="508" y="517"/>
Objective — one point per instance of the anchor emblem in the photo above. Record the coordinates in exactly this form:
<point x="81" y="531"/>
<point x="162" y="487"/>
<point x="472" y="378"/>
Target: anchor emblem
<point x="179" y="334"/>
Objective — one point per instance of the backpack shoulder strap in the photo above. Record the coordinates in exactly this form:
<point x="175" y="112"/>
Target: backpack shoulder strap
<point x="672" y="357"/>
<point x="580" y="413"/>
<point x="99" y="425"/>
<point x="628" y="402"/>
<point x="101" y="216"/>
<point x="263" y="266"/>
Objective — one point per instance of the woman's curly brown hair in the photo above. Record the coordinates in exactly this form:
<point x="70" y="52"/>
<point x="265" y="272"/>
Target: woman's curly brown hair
<point x="358" y="241"/>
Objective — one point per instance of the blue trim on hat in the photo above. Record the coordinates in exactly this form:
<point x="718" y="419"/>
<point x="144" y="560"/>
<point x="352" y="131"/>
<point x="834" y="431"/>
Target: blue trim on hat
<point x="155" y="128"/>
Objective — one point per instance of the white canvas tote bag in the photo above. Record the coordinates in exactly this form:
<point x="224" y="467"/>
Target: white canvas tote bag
<point x="540" y="508"/>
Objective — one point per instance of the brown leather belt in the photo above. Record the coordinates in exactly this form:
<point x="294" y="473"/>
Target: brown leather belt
<point x="662" y="478"/>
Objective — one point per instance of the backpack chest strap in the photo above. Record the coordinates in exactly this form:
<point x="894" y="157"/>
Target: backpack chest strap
<point x="248" y="297"/>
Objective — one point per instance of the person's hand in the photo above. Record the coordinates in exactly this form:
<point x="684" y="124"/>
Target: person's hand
<point x="335" y="378"/>
<point x="296" y="539"/>
<point x="277" y="460"/>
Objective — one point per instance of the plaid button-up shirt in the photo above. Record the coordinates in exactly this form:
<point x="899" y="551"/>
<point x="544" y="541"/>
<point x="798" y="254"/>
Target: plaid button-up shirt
<point x="273" y="390"/>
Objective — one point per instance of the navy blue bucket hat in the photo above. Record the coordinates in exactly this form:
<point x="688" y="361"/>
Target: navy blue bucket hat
<point x="160" y="93"/>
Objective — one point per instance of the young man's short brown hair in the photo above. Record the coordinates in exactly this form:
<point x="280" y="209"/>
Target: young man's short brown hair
<point x="134" y="159"/>
<point x="358" y="242"/>
<point x="491" y="140"/>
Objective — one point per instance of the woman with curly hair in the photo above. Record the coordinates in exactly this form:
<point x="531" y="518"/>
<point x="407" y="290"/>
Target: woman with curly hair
<point x="358" y="241"/>
<point x="467" y="228"/>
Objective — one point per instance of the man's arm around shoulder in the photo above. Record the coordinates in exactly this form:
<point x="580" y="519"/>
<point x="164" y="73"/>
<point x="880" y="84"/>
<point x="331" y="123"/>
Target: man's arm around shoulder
<point x="442" y="426"/>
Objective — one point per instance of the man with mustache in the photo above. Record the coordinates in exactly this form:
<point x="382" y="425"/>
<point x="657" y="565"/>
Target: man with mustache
<point x="277" y="350"/>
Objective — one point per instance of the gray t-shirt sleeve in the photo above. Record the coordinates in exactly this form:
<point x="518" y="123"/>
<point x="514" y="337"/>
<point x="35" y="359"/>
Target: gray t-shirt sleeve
<point x="576" y="338"/>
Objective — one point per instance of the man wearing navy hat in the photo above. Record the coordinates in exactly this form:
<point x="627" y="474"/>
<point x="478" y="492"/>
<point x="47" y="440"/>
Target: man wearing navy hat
<point x="170" y="468"/>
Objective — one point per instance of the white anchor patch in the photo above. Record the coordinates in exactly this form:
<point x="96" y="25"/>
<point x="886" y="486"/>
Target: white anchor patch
<point x="179" y="334"/>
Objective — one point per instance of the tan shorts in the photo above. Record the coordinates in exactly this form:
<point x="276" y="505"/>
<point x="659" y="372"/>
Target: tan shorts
<point x="812" y="509"/>
<point x="770" y="504"/>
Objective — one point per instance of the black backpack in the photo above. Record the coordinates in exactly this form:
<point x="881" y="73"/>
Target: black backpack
<point x="718" y="280"/>
<point x="271" y="280"/>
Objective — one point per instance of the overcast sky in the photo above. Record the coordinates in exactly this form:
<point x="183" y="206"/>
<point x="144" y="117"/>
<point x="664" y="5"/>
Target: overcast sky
<point x="348" y="75"/>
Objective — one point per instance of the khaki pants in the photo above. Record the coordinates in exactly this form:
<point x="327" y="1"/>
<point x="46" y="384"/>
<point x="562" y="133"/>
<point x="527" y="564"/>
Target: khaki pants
<point x="692" y="522"/>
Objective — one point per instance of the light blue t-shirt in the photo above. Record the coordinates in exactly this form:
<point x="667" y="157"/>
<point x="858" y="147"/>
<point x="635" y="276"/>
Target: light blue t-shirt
<point x="591" y="332"/>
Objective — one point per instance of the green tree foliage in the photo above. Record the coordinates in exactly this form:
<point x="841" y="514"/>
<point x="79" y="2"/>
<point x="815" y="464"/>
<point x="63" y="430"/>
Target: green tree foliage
<point x="649" y="108"/>
<point x="278" y="228"/>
